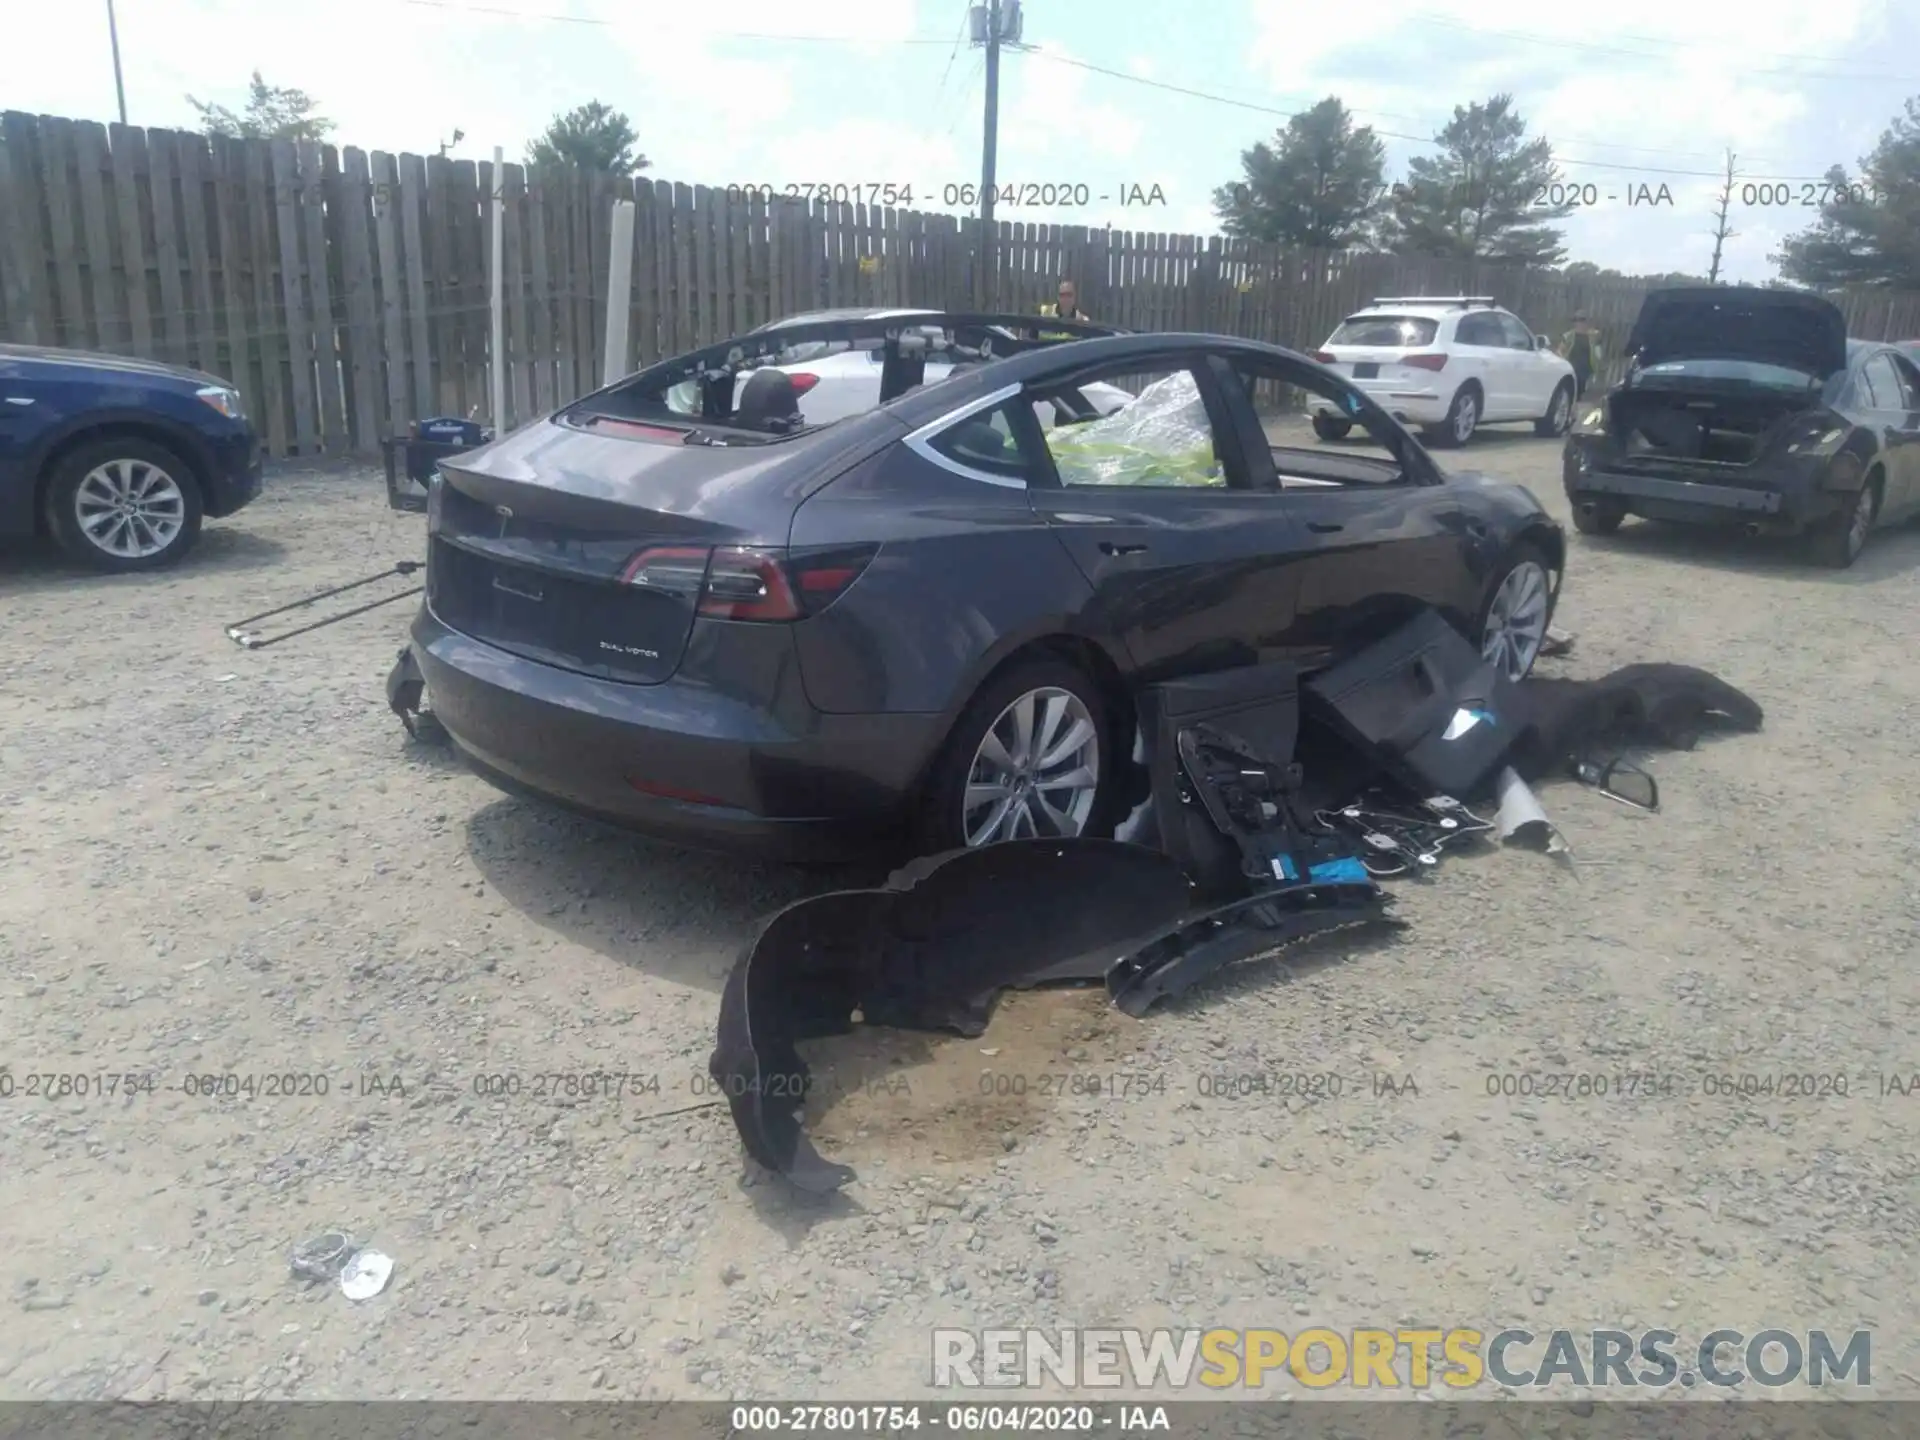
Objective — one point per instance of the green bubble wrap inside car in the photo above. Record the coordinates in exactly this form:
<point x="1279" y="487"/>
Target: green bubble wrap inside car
<point x="1161" y="438"/>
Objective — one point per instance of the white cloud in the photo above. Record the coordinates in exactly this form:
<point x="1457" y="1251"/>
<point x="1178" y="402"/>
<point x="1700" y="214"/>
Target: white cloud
<point x="1658" y="76"/>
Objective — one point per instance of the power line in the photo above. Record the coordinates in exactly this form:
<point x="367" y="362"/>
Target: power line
<point x="959" y="38"/>
<point x="1388" y="134"/>
<point x="1220" y="99"/>
<point x="1225" y="92"/>
<point x="964" y="108"/>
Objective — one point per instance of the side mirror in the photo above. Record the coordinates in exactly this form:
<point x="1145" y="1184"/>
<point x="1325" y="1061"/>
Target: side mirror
<point x="1620" y="779"/>
<point x="1540" y="342"/>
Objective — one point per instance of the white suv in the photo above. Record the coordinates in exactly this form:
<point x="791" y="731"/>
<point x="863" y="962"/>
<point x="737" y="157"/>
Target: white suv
<point x="1448" y="364"/>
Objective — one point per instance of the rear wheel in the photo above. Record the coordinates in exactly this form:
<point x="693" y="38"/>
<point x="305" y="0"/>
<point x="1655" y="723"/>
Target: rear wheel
<point x="1463" y="416"/>
<point x="124" y="504"/>
<point x="1031" y="757"/>
<point x="1837" y="542"/>
<point x="1597" y="514"/>
<point x="1329" y="428"/>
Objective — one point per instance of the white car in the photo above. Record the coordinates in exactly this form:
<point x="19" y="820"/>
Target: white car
<point x="1448" y="364"/>
<point x="834" y="384"/>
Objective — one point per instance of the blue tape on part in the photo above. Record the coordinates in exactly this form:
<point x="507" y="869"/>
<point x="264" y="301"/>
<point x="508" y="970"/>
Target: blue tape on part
<point x="1347" y="870"/>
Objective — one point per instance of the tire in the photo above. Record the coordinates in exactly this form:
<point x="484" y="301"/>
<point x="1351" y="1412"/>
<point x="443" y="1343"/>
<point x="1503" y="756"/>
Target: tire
<point x="1836" y="543"/>
<point x="1597" y="514"/>
<point x="1518" y="664"/>
<point x="140" y="502"/>
<point x="944" y="816"/>
<point x="1559" y="417"/>
<point x="1463" y="418"/>
<point x="1328" y="428"/>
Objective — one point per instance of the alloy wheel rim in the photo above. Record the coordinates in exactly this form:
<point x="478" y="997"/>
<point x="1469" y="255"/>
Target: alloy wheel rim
<point x="1562" y="408"/>
<point x="1036" y="772"/>
<point x="1861" y="522"/>
<point x="130" y="508"/>
<point x="1517" y="620"/>
<point x="1463" y="421"/>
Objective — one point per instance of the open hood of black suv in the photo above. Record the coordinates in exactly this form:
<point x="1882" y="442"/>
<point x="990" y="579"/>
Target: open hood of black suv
<point x="1730" y="322"/>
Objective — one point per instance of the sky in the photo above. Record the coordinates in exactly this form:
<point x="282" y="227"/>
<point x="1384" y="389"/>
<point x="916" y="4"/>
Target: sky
<point x="1635" y="95"/>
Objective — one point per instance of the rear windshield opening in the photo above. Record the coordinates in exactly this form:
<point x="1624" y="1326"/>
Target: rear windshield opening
<point x="1392" y="330"/>
<point x="790" y="389"/>
<point x="728" y="407"/>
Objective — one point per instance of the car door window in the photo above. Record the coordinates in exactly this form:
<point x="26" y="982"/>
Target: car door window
<point x="984" y="446"/>
<point x="1909" y="381"/>
<point x="1518" y="337"/>
<point x="1884" y="382"/>
<point x="1372" y="453"/>
<point x="1479" y="330"/>
<point x="1163" y="438"/>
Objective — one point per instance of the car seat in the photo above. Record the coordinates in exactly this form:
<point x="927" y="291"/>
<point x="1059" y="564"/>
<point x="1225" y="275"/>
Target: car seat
<point x="770" y="402"/>
<point x="979" y="440"/>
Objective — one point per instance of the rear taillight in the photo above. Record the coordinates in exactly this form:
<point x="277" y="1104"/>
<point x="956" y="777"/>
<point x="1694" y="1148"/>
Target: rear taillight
<point x="670" y="569"/>
<point x="748" y="582"/>
<point x="803" y="382"/>
<point x="1424" y="362"/>
<point x="744" y="584"/>
<point x="1326" y="357"/>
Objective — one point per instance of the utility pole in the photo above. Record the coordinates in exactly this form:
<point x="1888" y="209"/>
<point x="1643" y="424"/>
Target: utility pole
<point x="113" y="36"/>
<point x="1721" y="232"/>
<point x="992" y="23"/>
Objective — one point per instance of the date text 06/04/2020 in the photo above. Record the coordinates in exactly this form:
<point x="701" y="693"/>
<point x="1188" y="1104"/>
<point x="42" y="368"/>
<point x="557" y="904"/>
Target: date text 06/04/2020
<point x="1037" y="194"/>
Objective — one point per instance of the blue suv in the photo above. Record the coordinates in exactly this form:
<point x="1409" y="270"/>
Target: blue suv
<point x="118" y="459"/>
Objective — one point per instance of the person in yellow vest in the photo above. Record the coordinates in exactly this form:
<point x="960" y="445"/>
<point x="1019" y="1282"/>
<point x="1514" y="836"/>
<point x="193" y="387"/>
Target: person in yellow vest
<point x="1067" y="308"/>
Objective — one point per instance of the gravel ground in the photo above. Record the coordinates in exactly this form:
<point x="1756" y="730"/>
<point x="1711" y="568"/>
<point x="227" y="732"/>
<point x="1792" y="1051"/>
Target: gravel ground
<point x="224" y="862"/>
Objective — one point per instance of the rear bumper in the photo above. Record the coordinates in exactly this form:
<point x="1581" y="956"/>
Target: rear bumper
<point x="1408" y="404"/>
<point x="680" y="761"/>
<point x="1782" y="505"/>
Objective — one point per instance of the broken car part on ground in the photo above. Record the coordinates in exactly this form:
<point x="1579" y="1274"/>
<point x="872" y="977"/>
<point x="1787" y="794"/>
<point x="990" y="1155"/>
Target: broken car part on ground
<point x="1241" y="862"/>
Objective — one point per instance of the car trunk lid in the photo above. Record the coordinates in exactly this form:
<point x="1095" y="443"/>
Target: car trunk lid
<point x="586" y="546"/>
<point x="1771" y="327"/>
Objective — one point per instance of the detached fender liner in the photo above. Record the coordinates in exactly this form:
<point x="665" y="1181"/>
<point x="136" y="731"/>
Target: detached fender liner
<point x="930" y="949"/>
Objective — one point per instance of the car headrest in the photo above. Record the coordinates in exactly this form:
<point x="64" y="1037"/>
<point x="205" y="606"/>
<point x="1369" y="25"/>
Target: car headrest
<point x="769" y="402"/>
<point x="979" y="440"/>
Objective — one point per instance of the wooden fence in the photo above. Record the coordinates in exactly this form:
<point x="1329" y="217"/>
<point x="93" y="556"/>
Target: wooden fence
<point x="347" y="293"/>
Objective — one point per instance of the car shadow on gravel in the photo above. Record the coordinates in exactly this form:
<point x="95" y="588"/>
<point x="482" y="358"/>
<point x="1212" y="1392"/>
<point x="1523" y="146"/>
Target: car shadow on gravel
<point x="27" y="569"/>
<point x="681" y="915"/>
<point x="1889" y="553"/>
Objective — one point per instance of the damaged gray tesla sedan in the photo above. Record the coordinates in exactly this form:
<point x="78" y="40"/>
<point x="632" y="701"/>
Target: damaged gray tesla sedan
<point x="1751" y="408"/>
<point x="683" y="605"/>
